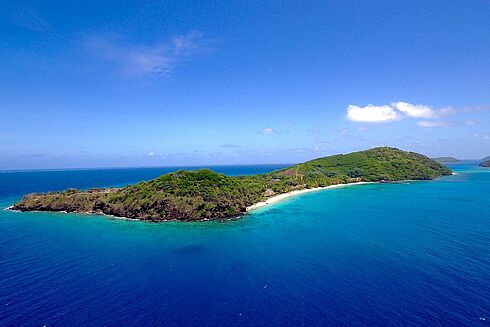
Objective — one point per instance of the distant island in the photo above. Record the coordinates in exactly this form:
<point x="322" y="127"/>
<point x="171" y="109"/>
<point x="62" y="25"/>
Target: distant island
<point x="206" y="195"/>
<point x="486" y="159"/>
<point x="485" y="163"/>
<point x="446" y="160"/>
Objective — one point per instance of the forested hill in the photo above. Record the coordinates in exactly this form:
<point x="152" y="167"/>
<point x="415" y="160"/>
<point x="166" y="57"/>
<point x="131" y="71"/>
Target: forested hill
<point x="446" y="160"/>
<point x="204" y="194"/>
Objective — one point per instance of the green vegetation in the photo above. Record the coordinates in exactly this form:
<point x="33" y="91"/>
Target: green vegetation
<point x="446" y="160"/>
<point x="204" y="194"/>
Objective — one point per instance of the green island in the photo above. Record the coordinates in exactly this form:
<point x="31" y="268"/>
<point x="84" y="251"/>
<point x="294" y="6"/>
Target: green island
<point x="446" y="160"/>
<point x="206" y="195"/>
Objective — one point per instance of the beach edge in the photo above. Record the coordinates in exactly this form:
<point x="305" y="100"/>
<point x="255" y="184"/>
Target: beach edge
<point x="283" y="196"/>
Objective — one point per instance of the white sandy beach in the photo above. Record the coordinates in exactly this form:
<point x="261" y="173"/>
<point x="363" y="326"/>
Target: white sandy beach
<point x="283" y="196"/>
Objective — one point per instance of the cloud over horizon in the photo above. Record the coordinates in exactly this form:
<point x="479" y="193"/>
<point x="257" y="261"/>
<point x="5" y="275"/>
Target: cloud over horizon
<point x="425" y="123"/>
<point x="268" y="130"/>
<point x="395" y="111"/>
<point x="372" y="114"/>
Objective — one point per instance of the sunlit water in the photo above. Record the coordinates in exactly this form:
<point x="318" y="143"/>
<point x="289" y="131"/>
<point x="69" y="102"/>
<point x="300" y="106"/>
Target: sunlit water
<point x="407" y="254"/>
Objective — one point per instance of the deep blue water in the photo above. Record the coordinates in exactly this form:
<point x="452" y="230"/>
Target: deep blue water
<point x="407" y="254"/>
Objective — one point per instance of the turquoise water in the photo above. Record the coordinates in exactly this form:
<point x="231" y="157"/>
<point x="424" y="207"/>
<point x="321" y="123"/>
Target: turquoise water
<point x="407" y="254"/>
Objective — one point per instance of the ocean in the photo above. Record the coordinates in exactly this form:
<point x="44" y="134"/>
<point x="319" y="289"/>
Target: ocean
<point x="398" y="254"/>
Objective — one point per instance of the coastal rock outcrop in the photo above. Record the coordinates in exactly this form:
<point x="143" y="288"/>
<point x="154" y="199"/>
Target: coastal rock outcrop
<point x="485" y="164"/>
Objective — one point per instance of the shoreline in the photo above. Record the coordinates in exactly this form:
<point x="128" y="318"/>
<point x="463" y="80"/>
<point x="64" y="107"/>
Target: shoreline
<point x="257" y="205"/>
<point x="271" y="200"/>
<point x="101" y="214"/>
<point x="283" y="196"/>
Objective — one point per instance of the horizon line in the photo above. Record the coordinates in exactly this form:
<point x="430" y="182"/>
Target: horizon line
<point x="138" y="167"/>
<point x="175" y="166"/>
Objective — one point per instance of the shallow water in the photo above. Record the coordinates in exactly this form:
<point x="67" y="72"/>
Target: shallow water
<point x="406" y="254"/>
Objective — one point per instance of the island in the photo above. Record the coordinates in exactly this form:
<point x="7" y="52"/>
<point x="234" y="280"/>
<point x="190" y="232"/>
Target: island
<point x="446" y="160"/>
<point x="206" y="195"/>
<point x="485" y="164"/>
<point x="486" y="159"/>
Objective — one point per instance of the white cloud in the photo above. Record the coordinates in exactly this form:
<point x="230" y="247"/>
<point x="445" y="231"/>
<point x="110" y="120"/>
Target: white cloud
<point x="268" y="130"/>
<point x="158" y="59"/>
<point x="482" y="137"/>
<point x="187" y="43"/>
<point x="151" y="154"/>
<point x="421" y="111"/>
<point x="470" y="122"/>
<point x="372" y="114"/>
<point x="394" y="111"/>
<point x="411" y="110"/>
<point x="446" y="112"/>
<point x="425" y="123"/>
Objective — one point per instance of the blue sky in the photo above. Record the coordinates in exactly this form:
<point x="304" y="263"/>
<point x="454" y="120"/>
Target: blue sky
<point x="100" y="84"/>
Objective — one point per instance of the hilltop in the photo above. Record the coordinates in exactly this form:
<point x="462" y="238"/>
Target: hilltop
<point x="446" y="160"/>
<point x="204" y="194"/>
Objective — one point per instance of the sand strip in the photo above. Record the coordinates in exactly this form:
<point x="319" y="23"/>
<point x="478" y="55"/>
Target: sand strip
<point x="283" y="196"/>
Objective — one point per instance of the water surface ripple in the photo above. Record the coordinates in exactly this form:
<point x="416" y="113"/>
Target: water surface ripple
<point x="405" y="254"/>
